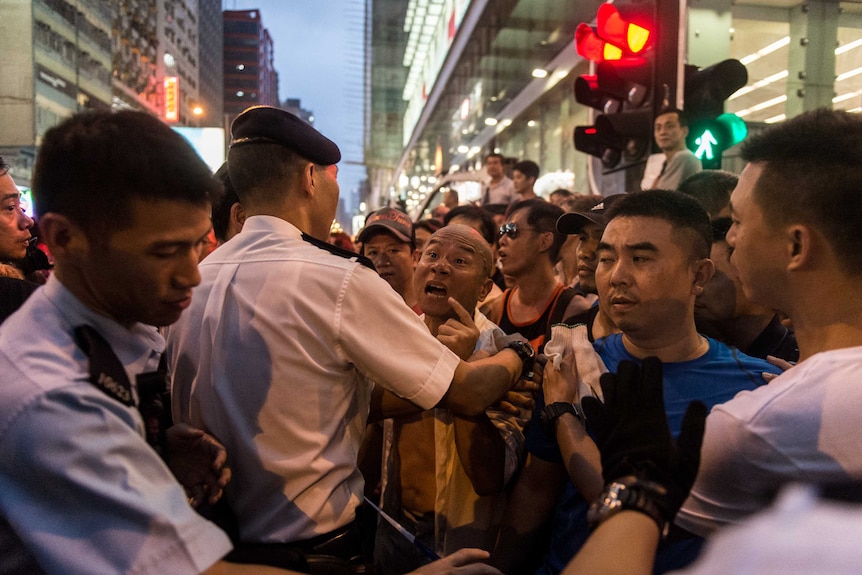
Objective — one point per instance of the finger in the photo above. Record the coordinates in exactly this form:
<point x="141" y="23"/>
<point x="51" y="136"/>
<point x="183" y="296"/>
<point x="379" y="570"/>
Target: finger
<point x="608" y="382"/>
<point x="626" y="391"/>
<point x="596" y="415"/>
<point x="782" y="364"/>
<point x="185" y="431"/>
<point x="767" y="377"/>
<point x="467" y="555"/>
<point x="508" y="408"/>
<point x="462" y="313"/>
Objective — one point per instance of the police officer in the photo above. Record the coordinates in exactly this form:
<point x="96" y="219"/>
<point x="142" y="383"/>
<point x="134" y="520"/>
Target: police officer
<point x="278" y="351"/>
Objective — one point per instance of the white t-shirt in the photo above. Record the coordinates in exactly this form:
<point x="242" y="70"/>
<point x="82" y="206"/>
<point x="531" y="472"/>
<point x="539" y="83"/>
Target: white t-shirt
<point x="803" y="426"/>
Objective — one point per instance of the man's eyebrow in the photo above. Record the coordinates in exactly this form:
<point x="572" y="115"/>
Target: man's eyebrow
<point x="641" y="246"/>
<point x="604" y="246"/>
<point x="16" y="195"/>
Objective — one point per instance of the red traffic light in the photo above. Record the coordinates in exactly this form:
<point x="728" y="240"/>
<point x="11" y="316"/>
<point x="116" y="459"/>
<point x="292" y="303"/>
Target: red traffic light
<point x="613" y="28"/>
<point x="591" y="47"/>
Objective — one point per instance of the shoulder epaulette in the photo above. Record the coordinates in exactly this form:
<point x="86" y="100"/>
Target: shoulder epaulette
<point x="340" y="252"/>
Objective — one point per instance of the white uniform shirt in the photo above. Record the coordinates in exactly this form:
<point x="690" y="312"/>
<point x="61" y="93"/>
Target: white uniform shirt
<point x="79" y="485"/>
<point x="275" y="357"/>
<point x="803" y="426"/>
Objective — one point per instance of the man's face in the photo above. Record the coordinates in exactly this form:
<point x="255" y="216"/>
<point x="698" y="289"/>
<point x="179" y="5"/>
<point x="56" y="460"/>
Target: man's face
<point x="520" y="246"/>
<point x="589" y="237"/>
<point x="521" y="183"/>
<point x="757" y="249"/>
<point x="393" y="259"/>
<point x="669" y="134"/>
<point x="719" y="297"/>
<point x="450" y="267"/>
<point x="494" y="167"/>
<point x="644" y="277"/>
<point x="146" y="271"/>
<point x="14" y="223"/>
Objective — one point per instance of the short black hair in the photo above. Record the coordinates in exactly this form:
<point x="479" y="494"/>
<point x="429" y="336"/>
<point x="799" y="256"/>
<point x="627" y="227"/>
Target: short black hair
<point x="259" y="172"/>
<point x="91" y="166"/>
<point x="712" y="188"/>
<point x="543" y="216"/>
<point x="681" y="115"/>
<point x="683" y="212"/>
<point x="720" y="227"/>
<point x="475" y="213"/>
<point x="4" y="167"/>
<point x="528" y="167"/>
<point x="812" y="174"/>
<point x="223" y="203"/>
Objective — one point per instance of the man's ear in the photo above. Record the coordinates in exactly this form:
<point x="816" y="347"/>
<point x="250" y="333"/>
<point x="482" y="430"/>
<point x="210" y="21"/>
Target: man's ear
<point x="801" y="247"/>
<point x="237" y="214"/>
<point x="703" y="269"/>
<point x="64" y="238"/>
<point x="486" y="289"/>
<point x="308" y="179"/>
<point x="546" y="241"/>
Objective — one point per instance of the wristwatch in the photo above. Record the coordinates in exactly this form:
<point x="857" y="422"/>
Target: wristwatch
<point x="551" y="412"/>
<point x="633" y="494"/>
<point x="527" y="354"/>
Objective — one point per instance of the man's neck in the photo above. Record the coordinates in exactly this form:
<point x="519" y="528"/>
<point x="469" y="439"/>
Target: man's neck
<point x="497" y="180"/>
<point x="669" y="348"/>
<point x="668" y="154"/>
<point x="534" y="288"/>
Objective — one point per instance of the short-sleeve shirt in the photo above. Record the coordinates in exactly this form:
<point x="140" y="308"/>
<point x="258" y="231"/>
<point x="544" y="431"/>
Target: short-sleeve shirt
<point x="680" y="166"/>
<point x="79" y="486"/>
<point x="275" y="357"/>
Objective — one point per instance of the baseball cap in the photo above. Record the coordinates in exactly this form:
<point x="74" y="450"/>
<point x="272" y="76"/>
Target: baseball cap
<point x="573" y="222"/>
<point x="396" y="222"/>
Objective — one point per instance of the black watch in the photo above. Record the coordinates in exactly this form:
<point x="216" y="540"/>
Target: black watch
<point x="551" y="412"/>
<point x="633" y="494"/>
<point x="527" y="354"/>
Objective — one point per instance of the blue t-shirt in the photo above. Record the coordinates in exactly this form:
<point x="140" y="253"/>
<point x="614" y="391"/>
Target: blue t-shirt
<point x="713" y="378"/>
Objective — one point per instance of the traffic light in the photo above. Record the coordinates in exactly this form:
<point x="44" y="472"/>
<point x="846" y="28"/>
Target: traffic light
<point x="710" y="130"/>
<point x="625" y="47"/>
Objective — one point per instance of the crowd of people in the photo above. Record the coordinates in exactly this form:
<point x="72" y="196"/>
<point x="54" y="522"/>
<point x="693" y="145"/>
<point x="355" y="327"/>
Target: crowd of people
<point x="210" y="381"/>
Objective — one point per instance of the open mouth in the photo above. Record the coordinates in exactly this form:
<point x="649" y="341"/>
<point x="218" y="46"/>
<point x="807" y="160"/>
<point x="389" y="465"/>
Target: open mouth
<point x="436" y="291"/>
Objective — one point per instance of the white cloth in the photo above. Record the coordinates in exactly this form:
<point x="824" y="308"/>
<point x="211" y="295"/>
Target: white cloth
<point x="803" y="426"/>
<point x="462" y="518"/>
<point x="79" y="485"/>
<point x="571" y="352"/>
<point x="275" y="357"/>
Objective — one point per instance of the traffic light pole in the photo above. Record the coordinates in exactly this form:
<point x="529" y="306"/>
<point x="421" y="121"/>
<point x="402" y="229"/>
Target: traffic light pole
<point x="669" y="77"/>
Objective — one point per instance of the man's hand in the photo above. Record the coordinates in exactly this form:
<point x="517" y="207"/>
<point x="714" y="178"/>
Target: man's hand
<point x="560" y="385"/>
<point x="459" y="334"/>
<point x="197" y="460"/>
<point x="462" y="562"/>
<point x="631" y="431"/>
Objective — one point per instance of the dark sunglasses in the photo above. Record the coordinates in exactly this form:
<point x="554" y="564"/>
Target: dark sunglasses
<point x="511" y="230"/>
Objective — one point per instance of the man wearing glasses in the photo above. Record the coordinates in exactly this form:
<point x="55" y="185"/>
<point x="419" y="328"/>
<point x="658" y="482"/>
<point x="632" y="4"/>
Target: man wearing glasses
<point x="529" y="247"/>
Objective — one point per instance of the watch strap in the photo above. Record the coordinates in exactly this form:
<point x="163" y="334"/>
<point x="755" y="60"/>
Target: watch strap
<point x="551" y="412"/>
<point x="633" y="494"/>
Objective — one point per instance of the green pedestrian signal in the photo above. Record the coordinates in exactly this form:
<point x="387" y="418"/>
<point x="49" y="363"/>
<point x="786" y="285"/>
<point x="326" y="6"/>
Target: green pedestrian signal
<point x="710" y="137"/>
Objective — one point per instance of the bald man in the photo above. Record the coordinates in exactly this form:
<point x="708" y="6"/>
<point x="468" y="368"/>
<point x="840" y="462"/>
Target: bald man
<point x="443" y="474"/>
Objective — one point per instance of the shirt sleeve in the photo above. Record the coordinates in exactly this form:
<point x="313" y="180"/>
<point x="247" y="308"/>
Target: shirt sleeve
<point x="86" y="494"/>
<point x="389" y="343"/>
<point x="737" y="475"/>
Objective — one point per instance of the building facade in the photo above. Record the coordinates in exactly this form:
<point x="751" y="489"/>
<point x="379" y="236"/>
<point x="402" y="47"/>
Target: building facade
<point x="249" y="74"/>
<point x="486" y="76"/>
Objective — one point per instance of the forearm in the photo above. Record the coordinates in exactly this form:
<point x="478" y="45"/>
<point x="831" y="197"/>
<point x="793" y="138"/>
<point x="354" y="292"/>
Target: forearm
<point x="479" y="384"/>
<point x="624" y="544"/>
<point x="580" y="456"/>
<point x="482" y="453"/>
<point x="385" y="404"/>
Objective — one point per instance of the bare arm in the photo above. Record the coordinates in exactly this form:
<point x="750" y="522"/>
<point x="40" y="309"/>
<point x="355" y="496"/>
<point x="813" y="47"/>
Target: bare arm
<point x="225" y="568"/>
<point x="603" y="553"/>
<point x="580" y="454"/>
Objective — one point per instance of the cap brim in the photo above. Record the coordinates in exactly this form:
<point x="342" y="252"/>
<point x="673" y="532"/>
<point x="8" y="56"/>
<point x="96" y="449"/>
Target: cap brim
<point x="573" y="222"/>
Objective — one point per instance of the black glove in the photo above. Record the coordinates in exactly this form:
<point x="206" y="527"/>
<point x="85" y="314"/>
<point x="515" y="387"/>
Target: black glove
<point x="631" y="431"/>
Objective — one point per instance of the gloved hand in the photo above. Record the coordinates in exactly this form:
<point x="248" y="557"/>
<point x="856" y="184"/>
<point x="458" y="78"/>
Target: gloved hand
<point x="631" y="431"/>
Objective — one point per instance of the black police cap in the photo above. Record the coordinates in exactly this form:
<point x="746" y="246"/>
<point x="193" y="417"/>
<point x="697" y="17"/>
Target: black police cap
<point x="267" y="125"/>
